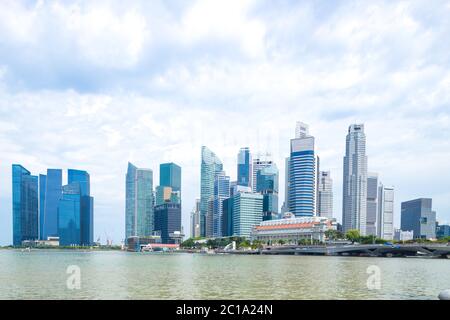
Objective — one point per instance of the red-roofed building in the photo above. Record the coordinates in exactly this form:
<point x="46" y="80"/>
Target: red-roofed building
<point x="294" y="229"/>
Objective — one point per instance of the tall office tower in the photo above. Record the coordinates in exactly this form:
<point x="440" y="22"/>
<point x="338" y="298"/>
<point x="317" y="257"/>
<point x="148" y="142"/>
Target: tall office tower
<point x="372" y="204"/>
<point x="244" y="167"/>
<point x="227" y="217"/>
<point x="302" y="175"/>
<point x="287" y="181"/>
<point x="385" y="220"/>
<point x="76" y="211"/>
<point x="354" y="208"/>
<point x="24" y="205"/>
<point x="325" y="195"/>
<point x="258" y="164"/>
<point x="168" y="221"/>
<point x="221" y="192"/>
<point x="247" y="213"/>
<point x="210" y="165"/>
<point x="417" y="216"/>
<point x="139" y="213"/>
<point x="195" y="220"/>
<point x="170" y="176"/>
<point x="50" y="192"/>
<point x="267" y="185"/>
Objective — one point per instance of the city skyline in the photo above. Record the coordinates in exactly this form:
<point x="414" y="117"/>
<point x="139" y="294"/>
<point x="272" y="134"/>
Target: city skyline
<point x="68" y="100"/>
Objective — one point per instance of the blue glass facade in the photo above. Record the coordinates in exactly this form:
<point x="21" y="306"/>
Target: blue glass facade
<point x="76" y="211"/>
<point x="302" y="183"/>
<point x="244" y="168"/>
<point x="69" y="215"/>
<point x="170" y="176"/>
<point x="25" y="205"/>
<point x="267" y="185"/>
<point x="227" y="217"/>
<point x="82" y="177"/>
<point x="50" y="194"/>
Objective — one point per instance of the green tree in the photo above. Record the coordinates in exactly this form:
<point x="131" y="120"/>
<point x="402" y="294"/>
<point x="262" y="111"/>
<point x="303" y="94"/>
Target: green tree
<point x="353" y="235"/>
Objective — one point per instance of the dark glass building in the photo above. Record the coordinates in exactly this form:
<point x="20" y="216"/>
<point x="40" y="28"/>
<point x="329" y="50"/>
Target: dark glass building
<point x="50" y="192"/>
<point x="267" y="185"/>
<point x="417" y="216"/>
<point x="24" y="205"/>
<point x="244" y="168"/>
<point x="227" y="217"/>
<point x="167" y="221"/>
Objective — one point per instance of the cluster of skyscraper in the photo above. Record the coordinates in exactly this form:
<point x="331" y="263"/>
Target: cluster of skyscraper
<point x="368" y="205"/>
<point x="233" y="208"/>
<point x="44" y="208"/>
<point x="151" y="213"/>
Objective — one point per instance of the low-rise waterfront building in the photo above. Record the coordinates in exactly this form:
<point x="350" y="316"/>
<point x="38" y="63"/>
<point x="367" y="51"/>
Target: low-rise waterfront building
<point x="400" y="235"/>
<point x="418" y="216"/>
<point x="294" y="229"/>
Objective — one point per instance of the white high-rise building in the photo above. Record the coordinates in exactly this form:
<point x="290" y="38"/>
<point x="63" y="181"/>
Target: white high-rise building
<point x="195" y="220"/>
<point x="325" y="195"/>
<point x="354" y="208"/>
<point x="385" y="223"/>
<point x="372" y="204"/>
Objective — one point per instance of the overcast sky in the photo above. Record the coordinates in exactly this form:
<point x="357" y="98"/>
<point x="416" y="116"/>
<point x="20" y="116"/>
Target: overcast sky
<point x="94" y="84"/>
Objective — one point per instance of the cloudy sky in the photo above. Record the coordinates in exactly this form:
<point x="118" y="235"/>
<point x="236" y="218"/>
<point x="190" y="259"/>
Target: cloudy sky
<point x="95" y="84"/>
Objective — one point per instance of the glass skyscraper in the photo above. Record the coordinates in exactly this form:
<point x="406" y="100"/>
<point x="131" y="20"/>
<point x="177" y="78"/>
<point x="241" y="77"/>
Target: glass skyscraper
<point x="257" y="165"/>
<point x="69" y="215"/>
<point x="302" y="175"/>
<point x="168" y="221"/>
<point x="170" y="176"/>
<point x="247" y="213"/>
<point x="354" y="207"/>
<point x="24" y="205"/>
<point x="210" y="166"/>
<point x="50" y="192"/>
<point x="221" y="192"/>
<point x="139" y="211"/>
<point x="267" y="185"/>
<point x="244" y="167"/>
<point x="76" y="210"/>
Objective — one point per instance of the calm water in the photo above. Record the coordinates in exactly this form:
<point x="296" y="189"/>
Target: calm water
<point x="120" y="275"/>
